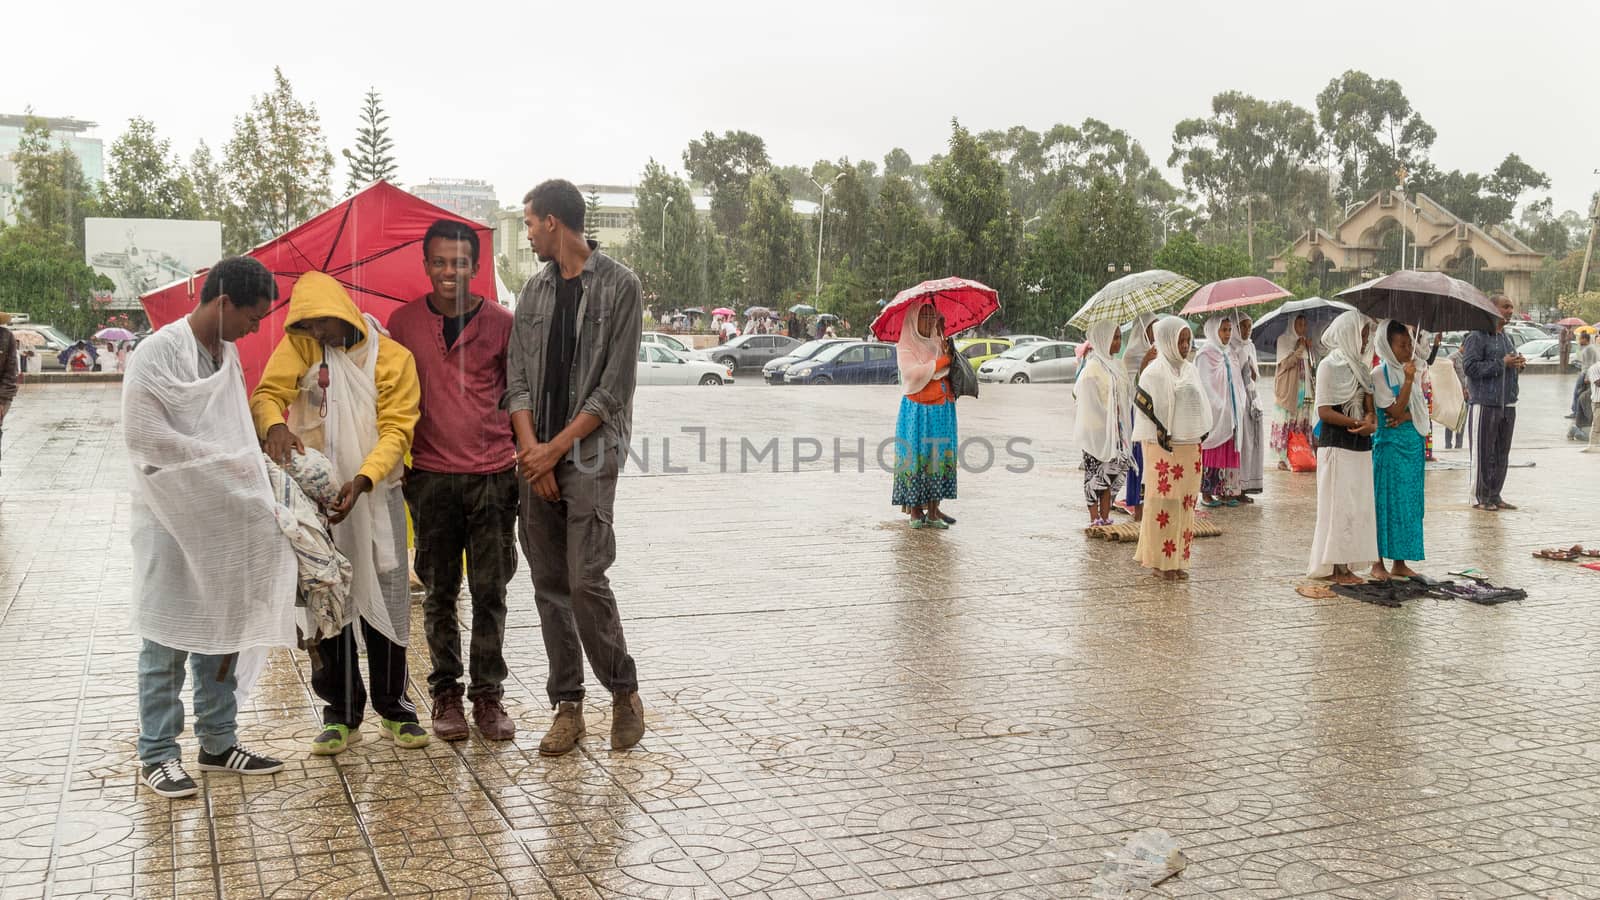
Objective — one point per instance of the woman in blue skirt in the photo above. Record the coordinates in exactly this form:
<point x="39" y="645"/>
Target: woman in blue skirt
<point x="925" y="433"/>
<point x="1399" y="466"/>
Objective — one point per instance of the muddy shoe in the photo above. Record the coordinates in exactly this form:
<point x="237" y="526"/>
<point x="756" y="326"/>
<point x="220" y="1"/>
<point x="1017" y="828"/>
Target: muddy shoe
<point x="449" y="719"/>
<point x="564" y="731"/>
<point x="490" y="717"/>
<point x="627" y="720"/>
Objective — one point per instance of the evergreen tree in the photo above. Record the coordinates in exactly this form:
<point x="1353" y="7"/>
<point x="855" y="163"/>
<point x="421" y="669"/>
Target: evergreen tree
<point x="591" y="217"/>
<point x="372" y="160"/>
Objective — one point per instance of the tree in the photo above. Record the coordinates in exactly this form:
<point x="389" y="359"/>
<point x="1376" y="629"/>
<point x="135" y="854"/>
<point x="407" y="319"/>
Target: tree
<point x="277" y="166"/>
<point x="1370" y="126"/>
<point x="900" y="248"/>
<point x="145" y="180"/>
<point x="773" y="245"/>
<point x="591" y="216"/>
<point x="210" y="186"/>
<point x="43" y="275"/>
<point x="372" y="159"/>
<point x="1481" y="199"/>
<point x="670" y="262"/>
<point x="726" y="165"/>
<point x="970" y="185"/>
<point x="1187" y="256"/>
<point x="54" y="195"/>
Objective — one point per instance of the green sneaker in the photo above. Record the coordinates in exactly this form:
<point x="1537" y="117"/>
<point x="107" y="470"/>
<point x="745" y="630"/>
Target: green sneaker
<point x="409" y="735"/>
<point x="334" y="739"/>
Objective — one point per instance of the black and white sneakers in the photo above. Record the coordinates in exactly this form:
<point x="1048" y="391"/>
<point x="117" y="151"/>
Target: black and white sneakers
<point x="240" y="760"/>
<point x="169" y="779"/>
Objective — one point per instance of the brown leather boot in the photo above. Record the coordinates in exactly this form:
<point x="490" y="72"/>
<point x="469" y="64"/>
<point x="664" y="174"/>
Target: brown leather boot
<point x="490" y="717"/>
<point x="627" y="720"/>
<point x="449" y="720"/>
<point x="564" y="731"/>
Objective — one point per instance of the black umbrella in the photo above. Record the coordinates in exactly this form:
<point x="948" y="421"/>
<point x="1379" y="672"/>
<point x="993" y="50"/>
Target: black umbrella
<point x="1429" y="300"/>
<point x="1265" y="331"/>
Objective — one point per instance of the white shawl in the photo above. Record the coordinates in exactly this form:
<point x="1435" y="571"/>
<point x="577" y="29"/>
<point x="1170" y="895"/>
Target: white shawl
<point x="1345" y="375"/>
<point x="1173" y="384"/>
<point x="1104" y="397"/>
<point x="1224" y="388"/>
<point x="918" y="354"/>
<point x="1417" y="403"/>
<point x="212" y="570"/>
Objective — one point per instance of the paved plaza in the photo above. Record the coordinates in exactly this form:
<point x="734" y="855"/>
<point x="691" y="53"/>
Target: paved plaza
<point x="841" y="706"/>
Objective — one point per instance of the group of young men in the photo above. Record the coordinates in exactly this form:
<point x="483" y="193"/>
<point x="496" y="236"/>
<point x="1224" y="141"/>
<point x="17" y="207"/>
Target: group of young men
<point x="483" y="423"/>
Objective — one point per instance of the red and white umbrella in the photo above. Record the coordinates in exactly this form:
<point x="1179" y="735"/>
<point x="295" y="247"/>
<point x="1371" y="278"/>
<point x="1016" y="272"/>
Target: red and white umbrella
<point x="963" y="303"/>
<point x="1233" y="292"/>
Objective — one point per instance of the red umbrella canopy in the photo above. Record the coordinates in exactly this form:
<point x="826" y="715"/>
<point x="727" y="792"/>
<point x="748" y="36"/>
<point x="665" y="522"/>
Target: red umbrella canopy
<point x="963" y="303"/>
<point x="371" y="243"/>
<point x="1233" y="292"/>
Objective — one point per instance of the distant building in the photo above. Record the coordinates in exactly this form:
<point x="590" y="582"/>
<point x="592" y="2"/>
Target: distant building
<point x="90" y="152"/>
<point x="467" y="197"/>
<point x="612" y="224"/>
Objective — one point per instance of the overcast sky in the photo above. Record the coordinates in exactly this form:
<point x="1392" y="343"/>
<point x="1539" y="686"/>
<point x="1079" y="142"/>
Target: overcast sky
<point x="589" y="91"/>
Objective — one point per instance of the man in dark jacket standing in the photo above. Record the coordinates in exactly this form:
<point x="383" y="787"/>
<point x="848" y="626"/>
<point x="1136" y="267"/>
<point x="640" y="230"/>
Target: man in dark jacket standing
<point x="1492" y="364"/>
<point x="8" y="367"/>
<point x="570" y="374"/>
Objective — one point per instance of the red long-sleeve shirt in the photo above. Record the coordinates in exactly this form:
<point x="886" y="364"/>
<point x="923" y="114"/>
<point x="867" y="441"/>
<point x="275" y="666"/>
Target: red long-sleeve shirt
<point x="462" y="431"/>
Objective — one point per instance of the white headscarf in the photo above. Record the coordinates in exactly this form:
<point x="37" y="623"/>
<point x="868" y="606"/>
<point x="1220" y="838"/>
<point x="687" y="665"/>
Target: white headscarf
<point x="1173" y="384"/>
<point x="1244" y="350"/>
<point x="1417" y="404"/>
<point x="1104" y="396"/>
<point x="1225" y="392"/>
<point x="918" y="354"/>
<point x="1344" y="375"/>
<point x="1137" y="345"/>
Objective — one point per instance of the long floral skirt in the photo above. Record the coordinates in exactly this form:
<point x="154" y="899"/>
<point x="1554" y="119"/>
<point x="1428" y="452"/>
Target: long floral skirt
<point x="925" y="453"/>
<point x="1286" y="422"/>
<point x="1172" y="487"/>
<point x="1399" y="473"/>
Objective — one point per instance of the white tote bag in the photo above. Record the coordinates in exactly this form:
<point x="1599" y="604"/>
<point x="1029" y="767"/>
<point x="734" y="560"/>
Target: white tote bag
<point x="1449" y="400"/>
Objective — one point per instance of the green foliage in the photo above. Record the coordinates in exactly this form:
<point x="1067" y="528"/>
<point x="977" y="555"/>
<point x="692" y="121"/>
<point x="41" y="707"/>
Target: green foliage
<point x="774" y="244"/>
<point x="210" y="186"/>
<point x="1204" y="263"/>
<point x="1481" y="199"/>
<point x="1373" y="131"/>
<point x="975" y="204"/>
<point x="54" y="195"/>
<point x="373" y="157"/>
<point x="43" y="275"/>
<point x="145" y="179"/>
<point x="591" y="216"/>
<point x="679" y="267"/>
<point x="277" y="166"/>
<point x="726" y="165"/>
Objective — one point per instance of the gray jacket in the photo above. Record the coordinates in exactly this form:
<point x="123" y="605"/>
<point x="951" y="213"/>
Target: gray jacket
<point x="610" y="319"/>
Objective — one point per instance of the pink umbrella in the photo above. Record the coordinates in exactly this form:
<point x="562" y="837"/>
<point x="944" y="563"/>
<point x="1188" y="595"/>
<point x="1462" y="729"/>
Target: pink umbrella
<point x="963" y="303"/>
<point x="1231" y="292"/>
<point x="1572" y="322"/>
<point x="722" y="311"/>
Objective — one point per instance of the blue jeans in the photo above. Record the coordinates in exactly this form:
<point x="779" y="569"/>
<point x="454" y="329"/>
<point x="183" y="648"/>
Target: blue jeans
<point x="161" y="673"/>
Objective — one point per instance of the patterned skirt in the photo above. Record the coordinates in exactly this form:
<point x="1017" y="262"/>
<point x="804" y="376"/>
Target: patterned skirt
<point x="925" y="453"/>
<point x="1172" y="487"/>
<point x="1286" y="422"/>
<point x="1220" y="475"/>
<point x="1101" y="476"/>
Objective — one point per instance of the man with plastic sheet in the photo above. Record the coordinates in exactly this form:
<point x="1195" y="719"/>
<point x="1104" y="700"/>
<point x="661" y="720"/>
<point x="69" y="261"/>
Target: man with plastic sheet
<point x="212" y="572"/>
<point x="339" y="384"/>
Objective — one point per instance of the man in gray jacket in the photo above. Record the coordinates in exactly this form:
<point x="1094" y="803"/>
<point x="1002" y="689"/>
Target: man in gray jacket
<point x="1492" y="364"/>
<point x="570" y="373"/>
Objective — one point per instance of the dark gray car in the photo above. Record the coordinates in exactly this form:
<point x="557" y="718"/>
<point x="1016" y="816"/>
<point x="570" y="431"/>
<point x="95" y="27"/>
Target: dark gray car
<point x="750" y="351"/>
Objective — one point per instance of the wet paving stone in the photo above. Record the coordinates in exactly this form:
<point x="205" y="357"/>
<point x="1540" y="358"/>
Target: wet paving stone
<point x="839" y="706"/>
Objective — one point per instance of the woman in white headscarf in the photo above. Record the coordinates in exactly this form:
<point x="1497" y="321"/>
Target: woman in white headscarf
<point x="1172" y="419"/>
<point x="1140" y="351"/>
<point x="1347" y="531"/>
<point x="1399" y="466"/>
<point x="1249" y="438"/>
<point x="1293" y="389"/>
<point x="925" y="432"/>
<point x="1103" y="428"/>
<point x="1219" y="374"/>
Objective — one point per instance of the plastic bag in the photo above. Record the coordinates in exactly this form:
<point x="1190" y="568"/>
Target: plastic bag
<point x="1301" y="457"/>
<point x="1147" y="859"/>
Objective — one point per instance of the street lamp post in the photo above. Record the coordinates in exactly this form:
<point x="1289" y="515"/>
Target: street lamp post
<point x="822" y="217"/>
<point x="664" y="231"/>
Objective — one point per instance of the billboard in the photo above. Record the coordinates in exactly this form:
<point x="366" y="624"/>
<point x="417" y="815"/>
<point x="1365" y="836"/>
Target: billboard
<point x="140" y="255"/>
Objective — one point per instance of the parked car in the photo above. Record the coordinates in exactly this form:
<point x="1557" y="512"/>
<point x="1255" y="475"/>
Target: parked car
<point x="1018" y="340"/>
<point x="980" y="350"/>
<point x="1043" y="362"/>
<point x="668" y="341"/>
<point x="1547" y="352"/>
<point x="658" y="365"/>
<point x="54" y="343"/>
<point x="749" y="351"/>
<point x="774" y="371"/>
<point x="849" y="362"/>
<point x="1523" y="332"/>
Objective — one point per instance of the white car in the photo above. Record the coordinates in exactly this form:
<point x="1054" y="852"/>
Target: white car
<point x="1042" y="361"/>
<point x="658" y="365"/>
<point x="1017" y="340"/>
<point x="662" y="339"/>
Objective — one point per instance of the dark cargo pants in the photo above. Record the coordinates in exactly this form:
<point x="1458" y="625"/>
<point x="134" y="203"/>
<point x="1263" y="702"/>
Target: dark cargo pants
<point x="570" y="545"/>
<point x="475" y="515"/>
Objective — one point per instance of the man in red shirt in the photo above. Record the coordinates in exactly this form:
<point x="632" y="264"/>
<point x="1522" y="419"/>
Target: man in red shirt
<point x="462" y="485"/>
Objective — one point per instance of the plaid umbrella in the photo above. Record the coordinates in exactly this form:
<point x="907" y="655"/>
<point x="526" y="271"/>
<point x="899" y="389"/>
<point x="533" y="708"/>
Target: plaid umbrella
<point x="1131" y="296"/>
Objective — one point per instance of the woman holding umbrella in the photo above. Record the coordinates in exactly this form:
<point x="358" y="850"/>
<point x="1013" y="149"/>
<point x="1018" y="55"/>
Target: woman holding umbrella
<point x="925" y="432"/>
<point x="1226" y="395"/>
<point x="1293" y="389"/>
